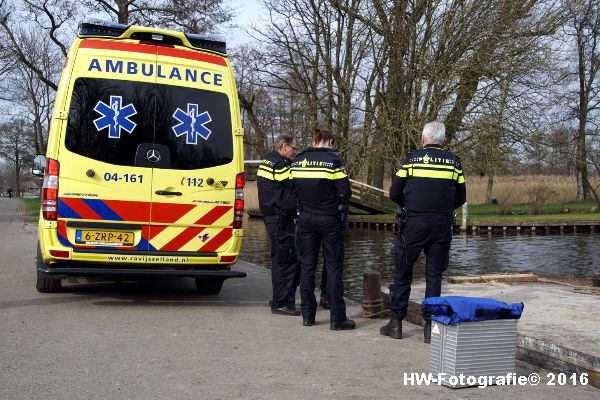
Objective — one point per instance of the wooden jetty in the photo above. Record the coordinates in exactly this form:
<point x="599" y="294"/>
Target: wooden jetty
<point x="480" y="227"/>
<point x="490" y="227"/>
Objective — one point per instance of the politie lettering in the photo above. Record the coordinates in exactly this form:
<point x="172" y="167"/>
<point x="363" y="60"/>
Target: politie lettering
<point x="158" y="70"/>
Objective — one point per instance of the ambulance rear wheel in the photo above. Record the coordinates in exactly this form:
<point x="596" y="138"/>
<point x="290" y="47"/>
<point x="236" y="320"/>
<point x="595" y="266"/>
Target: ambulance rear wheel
<point x="45" y="284"/>
<point x="209" y="286"/>
<point x="48" y="285"/>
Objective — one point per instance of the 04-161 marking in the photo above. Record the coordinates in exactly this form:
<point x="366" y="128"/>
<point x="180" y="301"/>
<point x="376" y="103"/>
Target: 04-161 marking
<point x="128" y="178"/>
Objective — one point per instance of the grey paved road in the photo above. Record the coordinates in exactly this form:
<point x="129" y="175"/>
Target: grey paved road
<point x="160" y="340"/>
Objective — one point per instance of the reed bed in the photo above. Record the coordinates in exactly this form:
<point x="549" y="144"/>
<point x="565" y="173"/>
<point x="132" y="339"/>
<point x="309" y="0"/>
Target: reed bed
<point x="526" y="189"/>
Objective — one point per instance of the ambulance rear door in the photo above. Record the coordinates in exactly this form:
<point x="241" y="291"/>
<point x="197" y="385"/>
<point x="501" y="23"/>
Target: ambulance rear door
<point x="105" y="178"/>
<point x="193" y="191"/>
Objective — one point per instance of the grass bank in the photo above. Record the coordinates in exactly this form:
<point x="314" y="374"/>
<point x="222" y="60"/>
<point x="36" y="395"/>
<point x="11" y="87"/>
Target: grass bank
<point x="32" y="206"/>
<point x="569" y="211"/>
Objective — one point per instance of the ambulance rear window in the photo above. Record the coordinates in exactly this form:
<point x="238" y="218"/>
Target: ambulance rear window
<point x="110" y="119"/>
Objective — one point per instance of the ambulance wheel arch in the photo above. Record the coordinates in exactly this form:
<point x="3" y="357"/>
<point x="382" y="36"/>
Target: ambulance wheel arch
<point x="45" y="284"/>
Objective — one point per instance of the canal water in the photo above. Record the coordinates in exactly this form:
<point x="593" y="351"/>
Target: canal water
<point x="574" y="254"/>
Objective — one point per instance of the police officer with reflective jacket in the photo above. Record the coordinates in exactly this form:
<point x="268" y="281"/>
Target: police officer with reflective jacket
<point x="278" y="206"/>
<point x="323" y="190"/>
<point x="428" y="187"/>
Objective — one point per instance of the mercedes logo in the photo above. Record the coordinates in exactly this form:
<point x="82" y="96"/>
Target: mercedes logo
<point x="153" y="156"/>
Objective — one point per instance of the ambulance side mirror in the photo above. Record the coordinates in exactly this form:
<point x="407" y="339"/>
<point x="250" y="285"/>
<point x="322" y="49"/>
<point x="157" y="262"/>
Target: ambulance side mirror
<point x="39" y="165"/>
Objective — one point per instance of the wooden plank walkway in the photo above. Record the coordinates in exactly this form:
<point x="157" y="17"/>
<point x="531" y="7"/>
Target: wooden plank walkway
<point x="479" y="227"/>
<point x="491" y="227"/>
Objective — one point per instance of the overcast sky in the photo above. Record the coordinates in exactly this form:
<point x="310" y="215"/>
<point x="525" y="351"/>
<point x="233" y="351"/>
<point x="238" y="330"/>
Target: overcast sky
<point x="248" y="11"/>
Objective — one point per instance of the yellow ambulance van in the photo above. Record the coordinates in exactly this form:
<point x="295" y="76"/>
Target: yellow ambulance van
<point x="143" y="174"/>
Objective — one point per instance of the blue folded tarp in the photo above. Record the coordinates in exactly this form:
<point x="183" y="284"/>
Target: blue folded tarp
<point x="452" y="310"/>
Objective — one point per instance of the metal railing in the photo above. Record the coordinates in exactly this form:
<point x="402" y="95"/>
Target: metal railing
<point x="363" y="194"/>
<point x="368" y="195"/>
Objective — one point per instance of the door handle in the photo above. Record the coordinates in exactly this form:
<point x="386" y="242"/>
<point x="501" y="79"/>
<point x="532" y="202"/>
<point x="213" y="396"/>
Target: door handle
<point x="167" y="193"/>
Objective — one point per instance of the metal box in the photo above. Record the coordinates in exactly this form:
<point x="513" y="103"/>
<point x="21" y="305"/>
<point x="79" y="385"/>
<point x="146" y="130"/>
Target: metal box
<point x="482" y="348"/>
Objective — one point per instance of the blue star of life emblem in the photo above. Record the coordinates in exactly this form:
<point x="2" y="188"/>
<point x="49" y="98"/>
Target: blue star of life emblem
<point x="191" y="124"/>
<point x="115" y="117"/>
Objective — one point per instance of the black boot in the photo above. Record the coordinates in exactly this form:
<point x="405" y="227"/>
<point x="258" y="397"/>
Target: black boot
<point x="392" y="329"/>
<point x="324" y="302"/>
<point x="344" y="325"/>
<point x="285" y="310"/>
<point x="427" y="332"/>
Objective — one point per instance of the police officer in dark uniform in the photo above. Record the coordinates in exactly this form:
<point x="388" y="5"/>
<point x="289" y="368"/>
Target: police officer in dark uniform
<point x="428" y="187"/>
<point x="278" y="206"/>
<point x="323" y="190"/>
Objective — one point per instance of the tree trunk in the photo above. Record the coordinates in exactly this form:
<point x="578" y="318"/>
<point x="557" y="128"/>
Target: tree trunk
<point x="489" y="192"/>
<point x="378" y="173"/>
<point x="17" y="190"/>
<point x="248" y="106"/>
<point x="583" y="192"/>
<point x="123" y="11"/>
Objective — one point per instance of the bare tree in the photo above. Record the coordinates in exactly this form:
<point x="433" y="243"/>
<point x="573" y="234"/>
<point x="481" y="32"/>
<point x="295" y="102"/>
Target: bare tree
<point x="55" y="19"/>
<point x="376" y="71"/>
<point x="193" y="16"/>
<point x="15" y="146"/>
<point x="319" y="54"/>
<point x="32" y="99"/>
<point x="59" y="18"/>
<point x="251" y="99"/>
<point x="439" y="53"/>
<point x="507" y="114"/>
<point x="583" y="29"/>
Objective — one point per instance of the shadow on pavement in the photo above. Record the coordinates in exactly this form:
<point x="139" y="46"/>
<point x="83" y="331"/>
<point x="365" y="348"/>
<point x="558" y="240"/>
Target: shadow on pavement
<point x="147" y="292"/>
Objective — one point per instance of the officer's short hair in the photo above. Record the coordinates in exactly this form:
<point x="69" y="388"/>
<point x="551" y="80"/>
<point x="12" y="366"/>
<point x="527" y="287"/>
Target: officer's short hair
<point x="283" y="139"/>
<point x="434" y="132"/>
<point x="323" y="135"/>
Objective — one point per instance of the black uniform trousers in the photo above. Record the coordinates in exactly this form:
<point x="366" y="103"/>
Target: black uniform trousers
<point x="284" y="262"/>
<point x="323" y="285"/>
<point x="432" y="234"/>
<point x="315" y="231"/>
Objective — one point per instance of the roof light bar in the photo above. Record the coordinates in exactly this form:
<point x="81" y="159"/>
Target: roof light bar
<point x="208" y="42"/>
<point x="97" y="27"/>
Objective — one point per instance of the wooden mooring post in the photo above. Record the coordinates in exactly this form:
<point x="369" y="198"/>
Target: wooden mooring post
<point x="372" y="300"/>
<point x="465" y="216"/>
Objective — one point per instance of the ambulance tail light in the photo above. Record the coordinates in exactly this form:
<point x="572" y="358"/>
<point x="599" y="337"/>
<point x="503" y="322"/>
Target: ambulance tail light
<point x="238" y="209"/>
<point x="50" y="190"/>
<point x="228" y="259"/>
